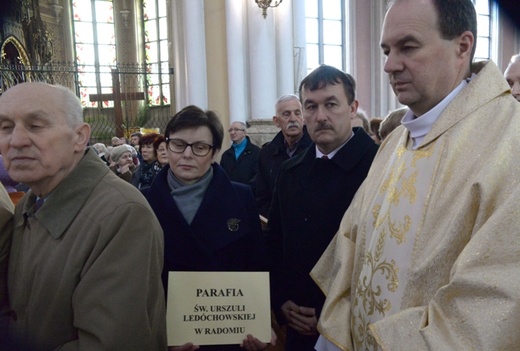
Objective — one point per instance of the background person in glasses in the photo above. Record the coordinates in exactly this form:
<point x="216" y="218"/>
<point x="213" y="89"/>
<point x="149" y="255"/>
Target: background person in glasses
<point x="209" y="222"/>
<point x="240" y="161"/>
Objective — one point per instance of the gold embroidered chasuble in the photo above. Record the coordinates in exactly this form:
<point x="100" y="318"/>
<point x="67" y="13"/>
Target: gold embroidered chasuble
<point x="428" y="255"/>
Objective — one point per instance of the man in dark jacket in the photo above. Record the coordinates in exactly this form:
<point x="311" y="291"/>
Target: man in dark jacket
<point x="312" y="192"/>
<point x="290" y="141"/>
<point x="240" y="161"/>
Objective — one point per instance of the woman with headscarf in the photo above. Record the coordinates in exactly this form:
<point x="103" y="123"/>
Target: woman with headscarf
<point x="122" y="162"/>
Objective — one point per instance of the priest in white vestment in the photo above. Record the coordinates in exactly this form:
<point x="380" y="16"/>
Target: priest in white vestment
<point x="427" y="257"/>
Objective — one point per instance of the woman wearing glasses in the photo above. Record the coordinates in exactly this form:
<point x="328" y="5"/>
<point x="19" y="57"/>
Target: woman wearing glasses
<point x="209" y="222"/>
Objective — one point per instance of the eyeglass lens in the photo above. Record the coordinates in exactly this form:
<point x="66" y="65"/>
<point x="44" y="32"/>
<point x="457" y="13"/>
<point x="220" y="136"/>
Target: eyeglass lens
<point x="198" y="148"/>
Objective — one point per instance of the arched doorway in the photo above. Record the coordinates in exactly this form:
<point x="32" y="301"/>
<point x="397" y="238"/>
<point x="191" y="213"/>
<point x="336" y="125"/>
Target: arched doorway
<point x="14" y="60"/>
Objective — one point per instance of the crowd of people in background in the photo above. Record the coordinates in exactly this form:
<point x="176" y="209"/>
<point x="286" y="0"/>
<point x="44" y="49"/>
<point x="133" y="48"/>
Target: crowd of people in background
<point x="138" y="159"/>
<point x="393" y="233"/>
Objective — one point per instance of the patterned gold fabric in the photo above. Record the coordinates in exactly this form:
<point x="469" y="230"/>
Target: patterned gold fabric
<point x="428" y="255"/>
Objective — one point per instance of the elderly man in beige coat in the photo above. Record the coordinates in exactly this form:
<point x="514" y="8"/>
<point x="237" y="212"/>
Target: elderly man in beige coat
<point x="6" y="215"/>
<point x="86" y="253"/>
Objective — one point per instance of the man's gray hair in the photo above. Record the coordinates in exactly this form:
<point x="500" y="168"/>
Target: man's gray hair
<point x="515" y="58"/>
<point x="362" y="115"/>
<point x="71" y="106"/>
<point x="284" y="98"/>
<point x="241" y="123"/>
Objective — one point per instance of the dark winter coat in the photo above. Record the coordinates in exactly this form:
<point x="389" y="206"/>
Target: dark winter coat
<point x="271" y="157"/>
<point x="211" y="242"/>
<point x="244" y="169"/>
<point x="309" y="200"/>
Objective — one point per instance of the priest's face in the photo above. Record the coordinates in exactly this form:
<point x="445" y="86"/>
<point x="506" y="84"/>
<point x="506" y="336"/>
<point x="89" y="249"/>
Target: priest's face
<point x="422" y="66"/>
<point x="327" y="114"/>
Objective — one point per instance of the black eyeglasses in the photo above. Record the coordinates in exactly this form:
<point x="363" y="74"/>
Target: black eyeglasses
<point x="198" y="148"/>
<point x="235" y="130"/>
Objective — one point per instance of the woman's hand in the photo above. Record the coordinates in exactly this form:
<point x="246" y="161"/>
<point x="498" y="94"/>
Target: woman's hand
<point x="124" y="169"/>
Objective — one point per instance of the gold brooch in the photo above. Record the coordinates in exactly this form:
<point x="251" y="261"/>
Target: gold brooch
<point x="232" y="224"/>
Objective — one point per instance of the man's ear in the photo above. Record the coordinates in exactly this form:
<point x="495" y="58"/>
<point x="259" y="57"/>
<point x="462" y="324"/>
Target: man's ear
<point x="354" y="107"/>
<point x="82" y="137"/>
<point x="275" y="121"/>
<point x="465" y="44"/>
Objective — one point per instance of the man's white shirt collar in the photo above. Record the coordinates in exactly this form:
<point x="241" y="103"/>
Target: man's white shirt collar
<point x="420" y="126"/>
<point x="331" y="154"/>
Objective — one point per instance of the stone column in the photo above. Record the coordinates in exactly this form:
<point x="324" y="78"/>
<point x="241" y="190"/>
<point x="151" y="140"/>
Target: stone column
<point x="300" y="43"/>
<point x="262" y="61"/>
<point x="190" y="53"/>
<point x="284" y="47"/>
<point x="236" y="56"/>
